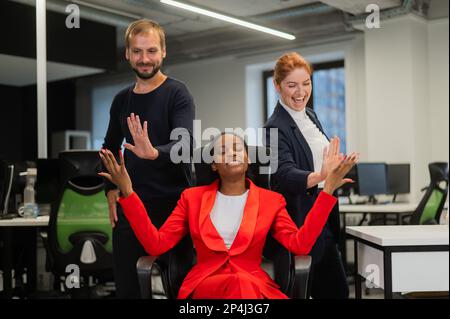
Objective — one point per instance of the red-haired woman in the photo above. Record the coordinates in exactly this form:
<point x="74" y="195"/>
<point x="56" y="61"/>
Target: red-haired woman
<point x="302" y="170"/>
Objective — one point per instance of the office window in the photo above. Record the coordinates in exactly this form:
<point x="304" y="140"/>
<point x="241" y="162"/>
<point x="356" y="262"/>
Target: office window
<point x="102" y="97"/>
<point x="327" y="100"/>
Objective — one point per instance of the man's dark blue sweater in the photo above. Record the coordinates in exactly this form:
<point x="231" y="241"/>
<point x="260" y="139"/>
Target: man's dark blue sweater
<point x="166" y="108"/>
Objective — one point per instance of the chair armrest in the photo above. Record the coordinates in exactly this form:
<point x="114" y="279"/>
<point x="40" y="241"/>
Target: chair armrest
<point x="302" y="270"/>
<point x="144" y="270"/>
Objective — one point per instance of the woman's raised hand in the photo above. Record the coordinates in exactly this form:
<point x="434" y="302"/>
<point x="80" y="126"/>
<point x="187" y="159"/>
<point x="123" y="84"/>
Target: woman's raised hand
<point x="117" y="173"/>
<point x="335" y="178"/>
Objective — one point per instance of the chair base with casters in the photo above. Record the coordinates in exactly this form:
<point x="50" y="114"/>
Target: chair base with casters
<point x="301" y="266"/>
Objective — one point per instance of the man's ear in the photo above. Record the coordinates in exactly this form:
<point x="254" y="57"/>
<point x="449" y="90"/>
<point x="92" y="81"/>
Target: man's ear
<point x="127" y="56"/>
<point x="164" y="52"/>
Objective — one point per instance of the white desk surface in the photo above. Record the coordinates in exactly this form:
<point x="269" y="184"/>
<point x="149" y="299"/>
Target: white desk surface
<point x="407" y="235"/>
<point x="378" y="208"/>
<point x="25" y="222"/>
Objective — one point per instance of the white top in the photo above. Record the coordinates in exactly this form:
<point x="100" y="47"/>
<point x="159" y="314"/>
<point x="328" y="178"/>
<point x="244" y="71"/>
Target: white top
<point x="316" y="140"/>
<point x="226" y="215"/>
<point x="406" y="235"/>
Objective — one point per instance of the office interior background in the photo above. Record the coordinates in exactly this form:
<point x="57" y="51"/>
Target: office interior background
<point x="383" y="90"/>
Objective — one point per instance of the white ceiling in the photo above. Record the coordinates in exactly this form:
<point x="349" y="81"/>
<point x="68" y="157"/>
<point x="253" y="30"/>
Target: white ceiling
<point x="191" y="36"/>
<point x="18" y="71"/>
<point x="248" y="8"/>
<point x="359" y="6"/>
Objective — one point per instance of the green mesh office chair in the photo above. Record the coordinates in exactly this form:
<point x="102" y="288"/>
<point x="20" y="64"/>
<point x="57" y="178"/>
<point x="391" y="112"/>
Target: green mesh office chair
<point x="80" y="232"/>
<point x="430" y="207"/>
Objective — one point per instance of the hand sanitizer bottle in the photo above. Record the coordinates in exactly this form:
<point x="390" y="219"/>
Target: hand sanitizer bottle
<point x="30" y="209"/>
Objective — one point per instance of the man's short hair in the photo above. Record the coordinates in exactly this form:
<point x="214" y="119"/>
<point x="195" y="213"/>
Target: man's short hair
<point x="144" y="26"/>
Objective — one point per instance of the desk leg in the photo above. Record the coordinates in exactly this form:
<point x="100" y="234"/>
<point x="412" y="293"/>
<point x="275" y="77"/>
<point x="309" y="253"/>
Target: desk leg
<point x="358" y="293"/>
<point x="7" y="263"/>
<point x="344" y="243"/>
<point x="31" y="260"/>
<point x="388" y="275"/>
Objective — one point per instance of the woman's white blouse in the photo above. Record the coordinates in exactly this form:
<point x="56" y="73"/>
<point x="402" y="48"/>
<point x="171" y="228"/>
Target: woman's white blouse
<point x="226" y="215"/>
<point x="313" y="136"/>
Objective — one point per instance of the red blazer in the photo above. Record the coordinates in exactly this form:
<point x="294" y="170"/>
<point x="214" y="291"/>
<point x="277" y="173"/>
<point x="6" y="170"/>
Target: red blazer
<point x="264" y="211"/>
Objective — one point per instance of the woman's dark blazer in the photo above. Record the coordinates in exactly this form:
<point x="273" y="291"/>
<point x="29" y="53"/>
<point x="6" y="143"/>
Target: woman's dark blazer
<point x="293" y="161"/>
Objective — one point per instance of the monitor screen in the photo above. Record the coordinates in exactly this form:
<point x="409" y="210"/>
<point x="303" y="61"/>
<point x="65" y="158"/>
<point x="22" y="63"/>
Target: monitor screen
<point x="398" y="177"/>
<point x="12" y="184"/>
<point x="371" y="178"/>
<point x="346" y="189"/>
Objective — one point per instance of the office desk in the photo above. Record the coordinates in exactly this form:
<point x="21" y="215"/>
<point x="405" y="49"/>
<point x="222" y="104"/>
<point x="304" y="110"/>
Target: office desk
<point x="41" y="221"/>
<point x="397" y="209"/>
<point x="401" y="258"/>
<point x="26" y="227"/>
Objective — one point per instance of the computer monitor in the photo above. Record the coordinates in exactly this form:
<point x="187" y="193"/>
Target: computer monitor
<point x="398" y="177"/>
<point x="6" y="179"/>
<point x="13" y="184"/>
<point x="47" y="181"/>
<point x="346" y="189"/>
<point x="372" y="179"/>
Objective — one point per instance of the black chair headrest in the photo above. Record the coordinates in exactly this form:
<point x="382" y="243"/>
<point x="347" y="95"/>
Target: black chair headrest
<point x="438" y="171"/>
<point x="77" y="164"/>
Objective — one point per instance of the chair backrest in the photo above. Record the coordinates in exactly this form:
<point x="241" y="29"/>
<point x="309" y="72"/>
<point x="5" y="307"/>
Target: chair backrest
<point x="79" y="228"/>
<point x="430" y="207"/>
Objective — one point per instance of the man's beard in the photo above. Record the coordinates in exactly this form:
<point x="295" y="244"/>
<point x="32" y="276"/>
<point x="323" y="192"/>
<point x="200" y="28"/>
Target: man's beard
<point x="147" y="76"/>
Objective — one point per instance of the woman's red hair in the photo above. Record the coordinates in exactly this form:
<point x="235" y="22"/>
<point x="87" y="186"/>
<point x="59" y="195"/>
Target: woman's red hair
<point x="288" y="63"/>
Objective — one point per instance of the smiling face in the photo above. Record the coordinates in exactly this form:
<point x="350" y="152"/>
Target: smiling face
<point x="230" y="157"/>
<point x="145" y="54"/>
<point x="295" y="89"/>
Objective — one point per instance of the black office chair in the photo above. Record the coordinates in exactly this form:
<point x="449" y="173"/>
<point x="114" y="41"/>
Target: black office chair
<point x="294" y="280"/>
<point x="430" y="207"/>
<point x="79" y="230"/>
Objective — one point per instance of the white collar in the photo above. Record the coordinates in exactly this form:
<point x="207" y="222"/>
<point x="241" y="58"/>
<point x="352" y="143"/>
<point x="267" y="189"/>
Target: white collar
<point x="296" y="115"/>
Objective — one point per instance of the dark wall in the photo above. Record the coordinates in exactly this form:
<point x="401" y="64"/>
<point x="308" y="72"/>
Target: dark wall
<point x="11" y="122"/>
<point x="93" y="44"/>
<point x="18" y="120"/>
